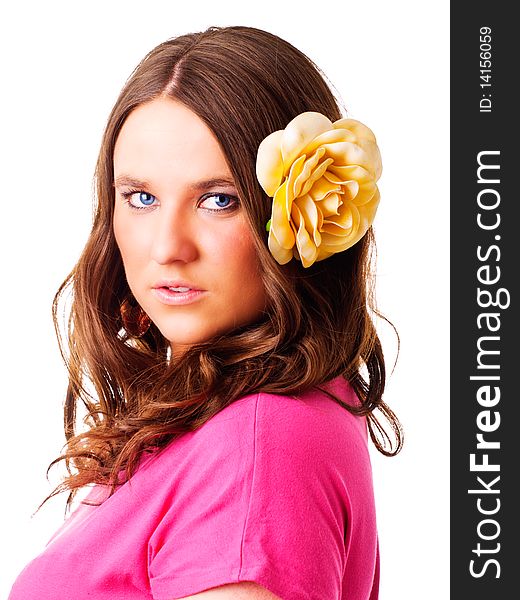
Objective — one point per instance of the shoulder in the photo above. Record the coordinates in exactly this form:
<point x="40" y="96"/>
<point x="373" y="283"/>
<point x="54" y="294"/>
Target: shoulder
<point x="307" y="434"/>
<point x="263" y="492"/>
<point x="313" y="413"/>
<point x="313" y="408"/>
<point x="305" y="439"/>
<point x="311" y="421"/>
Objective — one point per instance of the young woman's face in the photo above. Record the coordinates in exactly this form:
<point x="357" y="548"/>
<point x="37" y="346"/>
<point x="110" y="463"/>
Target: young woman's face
<point x="186" y="246"/>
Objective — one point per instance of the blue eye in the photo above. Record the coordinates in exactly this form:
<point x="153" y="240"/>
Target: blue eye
<point x="141" y="200"/>
<point x="146" y="198"/>
<point x="221" y="201"/>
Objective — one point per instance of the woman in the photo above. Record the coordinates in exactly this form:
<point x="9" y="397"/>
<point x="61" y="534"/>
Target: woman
<point x="221" y="313"/>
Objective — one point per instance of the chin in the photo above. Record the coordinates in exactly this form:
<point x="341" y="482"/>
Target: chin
<point x="179" y="338"/>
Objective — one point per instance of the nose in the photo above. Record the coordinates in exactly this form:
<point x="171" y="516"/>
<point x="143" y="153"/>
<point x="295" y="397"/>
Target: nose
<point x="174" y="237"/>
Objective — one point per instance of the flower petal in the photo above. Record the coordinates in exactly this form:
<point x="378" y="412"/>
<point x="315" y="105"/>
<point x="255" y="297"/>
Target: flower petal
<point x="347" y="153"/>
<point x="368" y="210"/>
<point x="331" y="242"/>
<point x="330" y="205"/>
<point x="345" y="219"/>
<point x="295" y="171"/>
<point x="323" y="254"/>
<point x="350" y="190"/>
<point x="282" y="255"/>
<point x="269" y="163"/>
<point x="310" y="216"/>
<point x="347" y="242"/>
<point x="329" y="137"/>
<point x="306" y="172"/>
<point x="365" y="194"/>
<point x="323" y="187"/>
<point x="339" y="174"/>
<point x="299" y="132"/>
<point x="316" y="174"/>
<point x="280" y="216"/>
<point x="306" y="248"/>
<point x="374" y="158"/>
<point x="360" y="130"/>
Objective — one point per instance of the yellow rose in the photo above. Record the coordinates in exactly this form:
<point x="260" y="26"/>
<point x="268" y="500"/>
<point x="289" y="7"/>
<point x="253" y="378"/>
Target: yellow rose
<point x="322" y="178"/>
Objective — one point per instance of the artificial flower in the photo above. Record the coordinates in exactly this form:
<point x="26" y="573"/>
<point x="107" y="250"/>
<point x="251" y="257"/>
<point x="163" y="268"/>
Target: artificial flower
<point x="322" y="178"/>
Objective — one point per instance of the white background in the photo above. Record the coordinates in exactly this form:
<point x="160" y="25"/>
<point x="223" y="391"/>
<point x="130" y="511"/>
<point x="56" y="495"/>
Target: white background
<point x="62" y="67"/>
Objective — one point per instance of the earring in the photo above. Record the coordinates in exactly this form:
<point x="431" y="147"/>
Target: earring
<point x="135" y="321"/>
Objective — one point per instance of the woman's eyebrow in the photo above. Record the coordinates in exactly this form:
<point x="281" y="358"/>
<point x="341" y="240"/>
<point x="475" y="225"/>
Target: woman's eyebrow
<point x="203" y="184"/>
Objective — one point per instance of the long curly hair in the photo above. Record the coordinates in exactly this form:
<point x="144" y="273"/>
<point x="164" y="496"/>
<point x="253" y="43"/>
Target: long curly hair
<point x="244" y="83"/>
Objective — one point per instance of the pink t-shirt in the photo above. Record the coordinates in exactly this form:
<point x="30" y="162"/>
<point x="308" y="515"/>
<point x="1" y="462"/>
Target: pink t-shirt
<point x="273" y="489"/>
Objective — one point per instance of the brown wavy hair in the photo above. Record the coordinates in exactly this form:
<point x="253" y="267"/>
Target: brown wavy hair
<point x="244" y="83"/>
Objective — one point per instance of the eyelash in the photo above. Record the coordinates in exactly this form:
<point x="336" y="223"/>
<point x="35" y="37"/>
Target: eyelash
<point x="128" y="194"/>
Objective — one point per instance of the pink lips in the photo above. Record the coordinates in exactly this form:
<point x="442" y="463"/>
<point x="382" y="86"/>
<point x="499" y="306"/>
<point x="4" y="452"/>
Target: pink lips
<point x="163" y="292"/>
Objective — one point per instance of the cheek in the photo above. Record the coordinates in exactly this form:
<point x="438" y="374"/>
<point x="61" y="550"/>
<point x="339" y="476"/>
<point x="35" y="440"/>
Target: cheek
<point x="130" y="242"/>
<point x="232" y="250"/>
<point x="240" y="268"/>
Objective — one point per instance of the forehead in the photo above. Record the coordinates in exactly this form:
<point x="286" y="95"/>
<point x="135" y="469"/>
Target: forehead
<point x="165" y="139"/>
